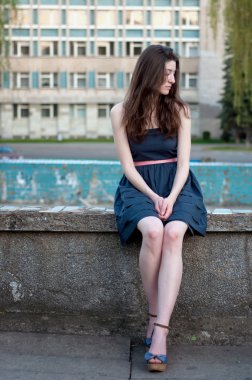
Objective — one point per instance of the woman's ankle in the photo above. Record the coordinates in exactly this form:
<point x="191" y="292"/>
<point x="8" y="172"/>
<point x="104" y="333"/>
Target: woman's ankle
<point x="150" y="328"/>
<point x="161" y="328"/>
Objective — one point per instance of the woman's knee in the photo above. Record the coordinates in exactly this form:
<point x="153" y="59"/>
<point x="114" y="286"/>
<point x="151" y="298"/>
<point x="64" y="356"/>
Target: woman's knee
<point x="153" y="231"/>
<point x="173" y="234"/>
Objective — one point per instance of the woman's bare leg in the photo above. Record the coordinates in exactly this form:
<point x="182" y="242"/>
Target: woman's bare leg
<point x="152" y="230"/>
<point x="169" y="280"/>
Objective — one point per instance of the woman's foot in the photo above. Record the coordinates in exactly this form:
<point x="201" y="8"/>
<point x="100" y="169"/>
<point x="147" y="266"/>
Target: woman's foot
<point x="158" y="343"/>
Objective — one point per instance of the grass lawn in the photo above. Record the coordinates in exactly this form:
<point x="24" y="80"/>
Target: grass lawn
<point x="231" y="148"/>
<point x="212" y="141"/>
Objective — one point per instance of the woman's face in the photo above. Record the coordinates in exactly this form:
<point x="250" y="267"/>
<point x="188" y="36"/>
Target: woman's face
<point x="169" y="77"/>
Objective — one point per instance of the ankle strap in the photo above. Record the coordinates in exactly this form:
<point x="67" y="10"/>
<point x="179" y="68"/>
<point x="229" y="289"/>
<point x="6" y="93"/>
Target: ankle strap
<point x="152" y="315"/>
<point x="163" y="326"/>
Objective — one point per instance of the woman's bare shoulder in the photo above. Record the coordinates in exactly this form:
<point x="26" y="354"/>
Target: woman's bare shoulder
<point x="185" y="111"/>
<point x="117" y="110"/>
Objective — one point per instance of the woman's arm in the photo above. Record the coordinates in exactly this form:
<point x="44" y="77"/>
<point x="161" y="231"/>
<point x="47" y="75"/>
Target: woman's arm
<point x="184" y="148"/>
<point x="125" y="156"/>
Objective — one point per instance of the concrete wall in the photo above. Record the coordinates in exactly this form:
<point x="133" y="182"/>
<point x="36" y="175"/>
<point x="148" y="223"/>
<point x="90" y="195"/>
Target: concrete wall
<point x="63" y="269"/>
<point x="88" y="182"/>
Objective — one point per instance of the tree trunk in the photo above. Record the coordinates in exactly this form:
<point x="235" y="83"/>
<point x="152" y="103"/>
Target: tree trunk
<point x="248" y="137"/>
<point x="237" y="136"/>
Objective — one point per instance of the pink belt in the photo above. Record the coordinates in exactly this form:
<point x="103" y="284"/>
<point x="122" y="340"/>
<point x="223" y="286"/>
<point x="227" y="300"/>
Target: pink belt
<point x="140" y="163"/>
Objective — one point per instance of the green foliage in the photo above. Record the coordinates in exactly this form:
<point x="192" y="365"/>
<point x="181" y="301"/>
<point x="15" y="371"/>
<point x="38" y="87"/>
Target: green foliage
<point x="237" y="21"/>
<point x="7" y="15"/>
<point x="228" y="114"/>
<point x="206" y="135"/>
<point x="234" y="119"/>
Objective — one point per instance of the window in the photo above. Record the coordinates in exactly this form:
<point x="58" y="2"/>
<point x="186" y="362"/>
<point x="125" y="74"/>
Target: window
<point x="134" y="3"/>
<point x="49" y="80"/>
<point x="190" y="3"/>
<point x="23" y="17"/>
<point x="189" y="80"/>
<point x="78" y="80"/>
<point x="48" y="48"/>
<point x="21" y="32"/>
<point x="106" y="2"/>
<point x="133" y="48"/>
<point x="190" y="18"/>
<point x="77" y="48"/>
<point x="21" y="80"/>
<point x="163" y="33"/>
<point x="190" y="33"/>
<point x="20" y="111"/>
<point x="77" y="2"/>
<point x="105" y="80"/>
<point x="134" y="17"/>
<point x="163" y="18"/>
<point x="78" y="111"/>
<point x="49" y="110"/>
<point x="24" y="2"/>
<point x="20" y="49"/>
<point x="77" y="18"/>
<point x="102" y="50"/>
<point x="190" y="49"/>
<point x="49" y="17"/>
<point x="48" y="2"/>
<point x="104" y="110"/>
<point x="53" y="32"/>
<point x="106" y="18"/>
<point x="105" y="33"/>
<point x="162" y="3"/>
<point x="105" y="48"/>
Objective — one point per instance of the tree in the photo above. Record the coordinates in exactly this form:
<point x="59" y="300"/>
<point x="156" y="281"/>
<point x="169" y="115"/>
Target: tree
<point x="229" y="116"/>
<point x="237" y="22"/>
<point x="7" y="14"/>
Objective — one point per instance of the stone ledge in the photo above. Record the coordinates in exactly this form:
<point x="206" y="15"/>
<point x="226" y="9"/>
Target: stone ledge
<point x="64" y="269"/>
<point x="99" y="219"/>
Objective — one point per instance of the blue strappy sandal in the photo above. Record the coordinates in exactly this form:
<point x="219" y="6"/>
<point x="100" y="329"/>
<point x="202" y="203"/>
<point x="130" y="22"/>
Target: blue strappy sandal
<point x="157" y="367"/>
<point x="147" y="341"/>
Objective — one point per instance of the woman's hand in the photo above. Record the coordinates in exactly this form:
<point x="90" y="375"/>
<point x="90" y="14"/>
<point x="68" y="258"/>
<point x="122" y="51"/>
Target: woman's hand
<point x="164" y="206"/>
<point x="158" y="202"/>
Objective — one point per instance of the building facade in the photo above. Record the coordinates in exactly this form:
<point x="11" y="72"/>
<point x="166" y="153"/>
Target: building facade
<point x="71" y="61"/>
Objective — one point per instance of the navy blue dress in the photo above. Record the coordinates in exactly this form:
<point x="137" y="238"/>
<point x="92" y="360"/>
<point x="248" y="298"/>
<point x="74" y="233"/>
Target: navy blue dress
<point x="131" y="205"/>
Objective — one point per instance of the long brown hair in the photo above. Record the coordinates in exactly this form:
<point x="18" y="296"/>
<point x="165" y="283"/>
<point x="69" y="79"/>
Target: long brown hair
<point x="143" y="97"/>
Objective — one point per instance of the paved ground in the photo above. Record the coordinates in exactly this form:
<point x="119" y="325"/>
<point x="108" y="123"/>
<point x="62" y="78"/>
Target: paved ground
<point x="106" y="151"/>
<point x="31" y="356"/>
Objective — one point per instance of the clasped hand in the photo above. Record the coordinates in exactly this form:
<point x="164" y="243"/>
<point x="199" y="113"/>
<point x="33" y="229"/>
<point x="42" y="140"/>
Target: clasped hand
<point x="164" y="207"/>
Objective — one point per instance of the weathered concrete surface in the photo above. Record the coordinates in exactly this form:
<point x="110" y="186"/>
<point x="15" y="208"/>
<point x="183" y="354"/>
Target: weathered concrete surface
<point x="29" y="356"/>
<point x="63" y="357"/>
<point x="100" y="219"/>
<point x="73" y="275"/>
<point x="198" y="363"/>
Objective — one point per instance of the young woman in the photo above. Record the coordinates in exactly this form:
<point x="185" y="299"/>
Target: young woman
<point x="158" y="194"/>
